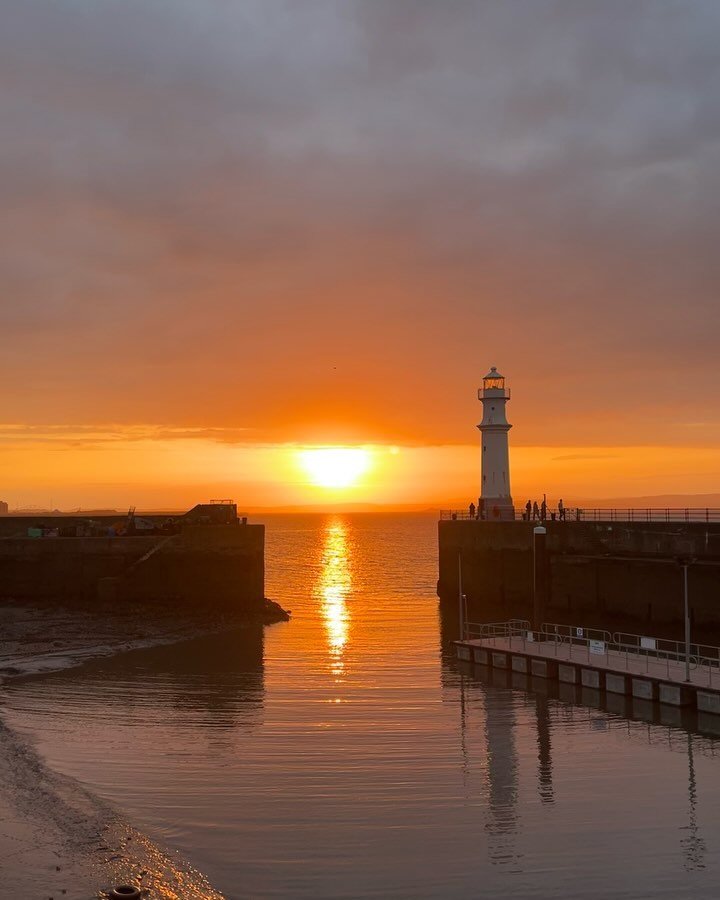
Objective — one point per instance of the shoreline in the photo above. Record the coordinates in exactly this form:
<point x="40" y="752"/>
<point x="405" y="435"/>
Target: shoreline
<point x="82" y="634"/>
<point x="57" y="839"/>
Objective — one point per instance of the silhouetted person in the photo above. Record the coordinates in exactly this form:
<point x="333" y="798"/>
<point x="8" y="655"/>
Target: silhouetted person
<point x="536" y="511"/>
<point x="561" y="510"/>
<point x="471" y="510"/>
<point x="543" y="510"/>
<point x="528" y="510"/>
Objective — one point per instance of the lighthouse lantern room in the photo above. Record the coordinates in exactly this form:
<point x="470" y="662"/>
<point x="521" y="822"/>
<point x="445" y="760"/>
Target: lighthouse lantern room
<point x="495" y="497"/>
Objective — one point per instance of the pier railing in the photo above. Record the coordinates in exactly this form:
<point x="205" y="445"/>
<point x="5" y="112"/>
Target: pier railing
<point x="599" y="514"/>
<point x="656" y="656"/>
<point x="511" y="628"/>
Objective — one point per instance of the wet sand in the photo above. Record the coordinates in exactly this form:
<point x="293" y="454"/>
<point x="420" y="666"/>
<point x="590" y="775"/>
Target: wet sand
<point x="43" y="638"/>
<point x="57" y="840"/>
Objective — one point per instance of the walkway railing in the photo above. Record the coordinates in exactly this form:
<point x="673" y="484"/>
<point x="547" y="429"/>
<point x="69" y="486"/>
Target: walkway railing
<point x="658" y="656"/>
<point x="599" y="514"/>
<point x="511" y="628"/>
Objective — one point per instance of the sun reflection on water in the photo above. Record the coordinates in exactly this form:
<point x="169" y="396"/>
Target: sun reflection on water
<point x="334" y="587"/>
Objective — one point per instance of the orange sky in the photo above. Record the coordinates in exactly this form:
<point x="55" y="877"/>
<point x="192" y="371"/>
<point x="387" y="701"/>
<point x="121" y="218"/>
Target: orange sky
<point x="234" y="230"/>
<point x="113" y="470"/>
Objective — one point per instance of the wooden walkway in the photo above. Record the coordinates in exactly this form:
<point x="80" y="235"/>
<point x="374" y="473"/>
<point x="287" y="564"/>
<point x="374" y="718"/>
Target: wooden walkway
<point x="625" y="672"/>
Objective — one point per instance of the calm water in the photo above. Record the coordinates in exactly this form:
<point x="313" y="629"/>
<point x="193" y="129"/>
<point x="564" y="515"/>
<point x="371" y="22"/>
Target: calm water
<point x="344" y="754"/>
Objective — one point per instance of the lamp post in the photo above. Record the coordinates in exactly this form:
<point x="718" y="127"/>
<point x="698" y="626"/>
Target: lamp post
<point x="539" y="535"/>
<point x="684" y="562"/>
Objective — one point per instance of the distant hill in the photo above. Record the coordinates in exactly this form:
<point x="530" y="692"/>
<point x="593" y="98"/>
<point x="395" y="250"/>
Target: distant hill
<point x="654" y="501"/>
<point x="339" y="508"/>
<point x="44" y="513"/>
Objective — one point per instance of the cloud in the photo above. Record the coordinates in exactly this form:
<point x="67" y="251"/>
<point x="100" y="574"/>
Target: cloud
<point x="324" y="221"/>
<point x="582" y="456"/>
<point x="74" y="436"/>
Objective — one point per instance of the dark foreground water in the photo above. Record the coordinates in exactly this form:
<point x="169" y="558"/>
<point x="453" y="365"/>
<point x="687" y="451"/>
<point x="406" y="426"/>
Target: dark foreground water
<point x="344" y="754"/>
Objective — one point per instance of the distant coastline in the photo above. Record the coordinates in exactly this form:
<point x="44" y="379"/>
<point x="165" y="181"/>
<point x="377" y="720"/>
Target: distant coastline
<point x="655" y="501"/>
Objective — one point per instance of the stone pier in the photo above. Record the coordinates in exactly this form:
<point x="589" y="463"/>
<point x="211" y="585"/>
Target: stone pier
<point x="210" y="565"/>
<point x="615" y="575"/>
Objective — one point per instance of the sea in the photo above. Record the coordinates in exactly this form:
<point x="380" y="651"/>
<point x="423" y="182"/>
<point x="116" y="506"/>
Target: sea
<point x="347" y="754"/>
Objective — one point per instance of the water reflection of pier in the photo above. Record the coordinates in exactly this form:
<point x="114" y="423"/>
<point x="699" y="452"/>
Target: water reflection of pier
<point x="500" y="692"/>
<point x="492" y="700"/>
<point x="502" y="776"/>
<point x="542" y="722"/>
<point x="502" y="771"/>
<point x="492" y="706"/>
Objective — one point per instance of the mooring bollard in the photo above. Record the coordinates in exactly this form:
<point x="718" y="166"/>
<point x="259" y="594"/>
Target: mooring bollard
<point x="125" y="892"/>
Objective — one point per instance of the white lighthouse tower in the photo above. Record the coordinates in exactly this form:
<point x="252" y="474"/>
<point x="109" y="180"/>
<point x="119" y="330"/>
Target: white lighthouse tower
<point x="495" y="498"/>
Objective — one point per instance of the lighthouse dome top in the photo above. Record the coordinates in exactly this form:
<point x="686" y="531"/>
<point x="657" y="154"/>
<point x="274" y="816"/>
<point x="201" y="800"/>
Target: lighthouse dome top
<point x="493" y="385"/>
<point x="494" y="381"/>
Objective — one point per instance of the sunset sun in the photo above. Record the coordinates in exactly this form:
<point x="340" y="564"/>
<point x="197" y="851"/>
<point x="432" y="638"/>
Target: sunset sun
<point x="335" y="467"/>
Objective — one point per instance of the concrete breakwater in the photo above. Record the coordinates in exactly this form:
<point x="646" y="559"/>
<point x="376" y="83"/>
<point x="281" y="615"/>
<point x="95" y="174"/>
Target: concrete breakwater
<point x="605" y="575"/>
<point x="213" y="564"/>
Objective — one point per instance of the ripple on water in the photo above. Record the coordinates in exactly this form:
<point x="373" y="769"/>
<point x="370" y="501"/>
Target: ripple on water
<point x="343" y="754"/>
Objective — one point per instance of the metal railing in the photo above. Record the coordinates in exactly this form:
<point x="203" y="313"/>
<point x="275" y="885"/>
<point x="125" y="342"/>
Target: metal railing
<point x="619" y="649"/>
<point x="511" y="628"/>
<point x="652" y="645"/>
<point x="571" y="634"/>
<point x="600" y="514"/>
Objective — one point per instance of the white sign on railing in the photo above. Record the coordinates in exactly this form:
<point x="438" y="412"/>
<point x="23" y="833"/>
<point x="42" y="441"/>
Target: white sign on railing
<point x="597" y="647"/>
<point x="648" y="643"/>
<point x="579" y="632"/>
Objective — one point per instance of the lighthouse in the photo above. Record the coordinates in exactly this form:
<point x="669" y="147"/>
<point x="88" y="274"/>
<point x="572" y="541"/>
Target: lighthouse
<point x="495" y="497"/>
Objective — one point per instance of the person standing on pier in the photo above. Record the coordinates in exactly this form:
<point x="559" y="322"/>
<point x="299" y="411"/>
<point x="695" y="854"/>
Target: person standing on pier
<point x="543" y="510"/>
<point x="536" y="511"/>
<point x="471" y="510"/>
<point x="528" y="510"/>
<point x="561" y="510"/>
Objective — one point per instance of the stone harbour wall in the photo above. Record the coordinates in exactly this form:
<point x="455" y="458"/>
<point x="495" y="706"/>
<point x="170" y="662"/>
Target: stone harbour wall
<point x="617" y="576"/>
<point x="215" y="565"/>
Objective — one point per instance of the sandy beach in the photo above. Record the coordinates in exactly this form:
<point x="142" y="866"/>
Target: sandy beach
<point x="57" y="840"/>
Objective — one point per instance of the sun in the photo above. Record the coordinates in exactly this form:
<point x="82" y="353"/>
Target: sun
<point x="335" y="467"/>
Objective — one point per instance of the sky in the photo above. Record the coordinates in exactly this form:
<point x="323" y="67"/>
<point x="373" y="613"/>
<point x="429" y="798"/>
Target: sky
<point x="236" y="229"/>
